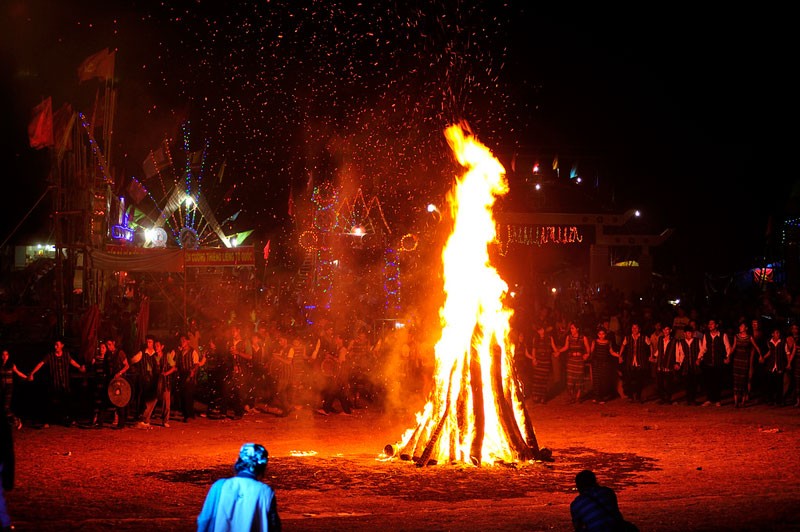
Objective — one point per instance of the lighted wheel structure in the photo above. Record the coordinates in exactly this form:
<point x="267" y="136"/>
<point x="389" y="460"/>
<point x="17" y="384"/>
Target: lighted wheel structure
<point x="409" y="242"/>
<point x="309" y="240"/>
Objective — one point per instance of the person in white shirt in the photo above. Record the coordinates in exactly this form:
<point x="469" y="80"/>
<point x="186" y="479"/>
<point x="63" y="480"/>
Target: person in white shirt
<point x="244" y="501"/>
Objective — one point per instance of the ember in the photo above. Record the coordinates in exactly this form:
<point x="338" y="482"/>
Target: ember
<point x="475" y="411"/>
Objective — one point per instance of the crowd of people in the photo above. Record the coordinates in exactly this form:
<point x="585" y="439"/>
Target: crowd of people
<point x="678" y="359"/>
<point x="218" y="370"/>
<point x="233" y="367"/>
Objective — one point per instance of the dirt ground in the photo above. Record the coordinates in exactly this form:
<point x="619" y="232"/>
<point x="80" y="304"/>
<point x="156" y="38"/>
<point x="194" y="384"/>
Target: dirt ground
<point x="673" y="468"/>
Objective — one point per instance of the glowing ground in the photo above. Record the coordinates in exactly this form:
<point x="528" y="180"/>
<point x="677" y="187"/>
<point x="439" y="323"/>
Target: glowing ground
<point x="673" y="467"/>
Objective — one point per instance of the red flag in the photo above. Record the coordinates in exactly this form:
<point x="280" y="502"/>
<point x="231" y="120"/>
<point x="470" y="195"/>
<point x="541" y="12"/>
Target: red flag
<point x="136" y="191"/>
<point x="266" y="251"/>
<point x="156" y="161"/>
<point x="97" y="119"/>
<point x="291" y="202"/>
<point x="40" y="129"/>
<point x="63" y="119"/>
<point x="99" y="65"/>
<point x="196" y="158"/>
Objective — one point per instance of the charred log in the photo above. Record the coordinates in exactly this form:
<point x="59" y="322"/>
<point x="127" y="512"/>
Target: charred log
<point x="505" y="412"/>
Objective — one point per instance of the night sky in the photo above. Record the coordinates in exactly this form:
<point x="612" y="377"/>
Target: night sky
<point x="678" y="113"/>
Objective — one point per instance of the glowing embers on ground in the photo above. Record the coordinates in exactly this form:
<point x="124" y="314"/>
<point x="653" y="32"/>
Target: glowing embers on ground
<point x="297" y="453"/>
<point x="475" y="412"/>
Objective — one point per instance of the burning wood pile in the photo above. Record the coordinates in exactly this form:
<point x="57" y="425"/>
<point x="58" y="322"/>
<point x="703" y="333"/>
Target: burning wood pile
<point x="475" y="412"/>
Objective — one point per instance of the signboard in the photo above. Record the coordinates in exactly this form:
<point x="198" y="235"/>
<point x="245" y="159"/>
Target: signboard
<point x="132" y="258"/>
<point x="201" y="258"/>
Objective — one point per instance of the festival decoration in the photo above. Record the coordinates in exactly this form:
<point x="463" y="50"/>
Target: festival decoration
<point x="539" y="236"/>
<point x="409" y="242"/>
<point x="763" y="275"/>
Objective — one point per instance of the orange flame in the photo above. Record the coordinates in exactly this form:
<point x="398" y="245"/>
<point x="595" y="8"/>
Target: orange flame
<point x="475" y="410"/>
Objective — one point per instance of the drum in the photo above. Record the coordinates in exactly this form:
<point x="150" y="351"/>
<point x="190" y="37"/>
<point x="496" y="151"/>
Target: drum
<point x="119" y="392"/>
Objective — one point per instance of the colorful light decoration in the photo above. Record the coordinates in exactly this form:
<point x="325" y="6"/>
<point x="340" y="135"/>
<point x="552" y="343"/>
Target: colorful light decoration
<point x="391" y="283"/>
<point x="763" y="275"/>
<point x="540" y="235"/>
<point x="409" y="242"/>
<point x="309" y="241"/>
<point x="98" y="153"/>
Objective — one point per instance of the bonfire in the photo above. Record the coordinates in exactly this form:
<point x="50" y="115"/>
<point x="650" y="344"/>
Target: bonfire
<point x="475" y="413"/>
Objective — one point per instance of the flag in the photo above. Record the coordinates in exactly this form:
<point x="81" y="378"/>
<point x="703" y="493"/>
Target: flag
<point x="266" y="251"/>
<point x="97" y="118"/>
<point x="63" y="119"/>
<point x="239" y="238"/>
<point x="156" y="161"/>
<point x="291" y="202"/>
<point x="573" y="172"/>
<point x="231" y="218"/>
<point x="221" y="170"/>
<point x="99" y="65"/>
<point x="196" y="158"/>
<point x="40" y="129"/>
<point x="136" y="191"/>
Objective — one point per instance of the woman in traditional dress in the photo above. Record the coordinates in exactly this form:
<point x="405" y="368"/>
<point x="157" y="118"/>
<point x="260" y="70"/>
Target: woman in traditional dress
<point x="604" y="360"/>
<point x="577" y="347"/>
<point x="744" y="347"/>
<point x="541" y="354"/>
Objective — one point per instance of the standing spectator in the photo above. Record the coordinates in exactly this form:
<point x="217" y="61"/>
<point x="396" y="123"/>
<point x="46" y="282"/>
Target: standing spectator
<point x="99" y="376"/>
<point x="654" y="338"/>
<point x="280" y="371"/>
<point x="742" y="355"/>
<point x="759" y="382"/>
<point x="714" y="351"/>
<point x="242" y="502"/>
<point x="679" y="323"/>
<point x="149" y="379"/>
<point x="666" y="363"/>
<point x="541" y="355"/>
<point x="793" y="363"/>
<point x="7" y="371"/>
<point x="635" y="357"/>
<point x="522" y="364"/>
<point x="361" y="367"/>
<point x="577" y="347"/>
<point x="188" y="362"/>
<point x="217" y="372"/>
<point x="792" y="380"/>
<point x="117" y="364"/>
<point x="59" y="362"/>
<point x="165" y="359"/>
<point x="689" y="371"/>
<point x="235" y="381"/>
<point x="140" y="376"/>
<point x="775" y="363"/>
<point x="604" y="359"/>
<point x="263" y="382"/>
<point x="596" y="507"/>
<point x="335" y="380"/>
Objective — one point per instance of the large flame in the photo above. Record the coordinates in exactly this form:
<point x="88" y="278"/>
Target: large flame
<point x="475" y="410"/>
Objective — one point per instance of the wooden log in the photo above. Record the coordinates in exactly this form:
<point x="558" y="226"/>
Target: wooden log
<point x="476" y="386"/>
<point x="425" y="457"/>
<point x="505" y="411"/>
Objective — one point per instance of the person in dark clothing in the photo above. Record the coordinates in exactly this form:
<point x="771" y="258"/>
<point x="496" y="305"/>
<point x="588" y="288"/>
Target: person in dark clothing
<point x="596" y="508"/>
<point x="7" y="372"/>
<point x="116" y="363"/>
<point x="188" y="362"/>
<point x="59" y="361"/>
